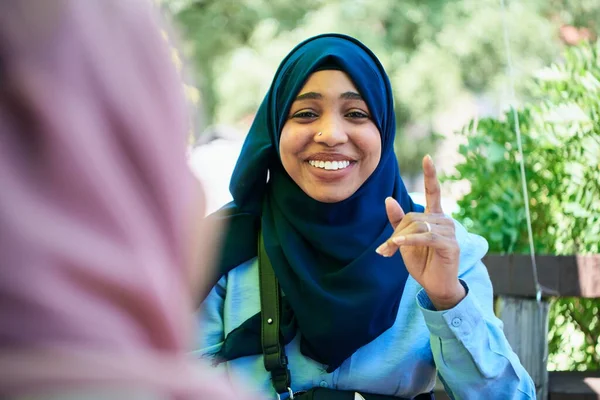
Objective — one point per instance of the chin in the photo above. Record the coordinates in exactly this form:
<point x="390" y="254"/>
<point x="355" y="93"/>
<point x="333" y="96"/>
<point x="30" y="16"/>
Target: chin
<point x="329" y="199"/>
<point x="329" y="196"/>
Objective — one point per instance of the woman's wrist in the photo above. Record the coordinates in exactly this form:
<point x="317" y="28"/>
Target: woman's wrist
<point x="448" y="300"/>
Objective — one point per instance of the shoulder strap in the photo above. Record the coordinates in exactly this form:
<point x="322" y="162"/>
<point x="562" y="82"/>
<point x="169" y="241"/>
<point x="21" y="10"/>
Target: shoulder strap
<point x="270" y="299"/>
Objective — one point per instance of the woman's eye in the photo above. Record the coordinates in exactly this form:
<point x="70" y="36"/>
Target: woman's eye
<point x="357" y="115"/>
<point x="305" y="115"/>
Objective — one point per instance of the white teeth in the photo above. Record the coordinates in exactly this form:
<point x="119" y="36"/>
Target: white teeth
<point x="329" y="165"/>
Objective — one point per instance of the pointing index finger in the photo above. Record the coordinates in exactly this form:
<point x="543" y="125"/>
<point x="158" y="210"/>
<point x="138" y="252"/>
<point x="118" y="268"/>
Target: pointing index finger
<point x="433" y="196"/>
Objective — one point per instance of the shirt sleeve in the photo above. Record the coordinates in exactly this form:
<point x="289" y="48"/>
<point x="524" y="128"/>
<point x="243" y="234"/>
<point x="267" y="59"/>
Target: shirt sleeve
<point x="471" y="353"/>
<point x="210" y="330"/>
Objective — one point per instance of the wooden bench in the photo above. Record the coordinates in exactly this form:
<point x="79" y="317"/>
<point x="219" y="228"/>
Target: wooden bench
<point x="567" y="385"/>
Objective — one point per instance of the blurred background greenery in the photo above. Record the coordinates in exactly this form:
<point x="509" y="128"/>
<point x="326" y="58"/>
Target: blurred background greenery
<point x="447" y="63"/>
<point x="444" y="57"/>
<point x="560" y="127"/>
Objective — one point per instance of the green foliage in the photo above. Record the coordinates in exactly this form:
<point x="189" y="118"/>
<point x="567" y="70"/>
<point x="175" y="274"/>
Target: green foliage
<point x="561" y="144"/>
<point x="434" y="51"/>
<point x="214" y="28"/>
<point x="495" y="206"/>
<point x="573" y="340"/>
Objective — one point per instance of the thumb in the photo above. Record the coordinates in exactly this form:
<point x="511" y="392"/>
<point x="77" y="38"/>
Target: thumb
<point x="394" y="211"/>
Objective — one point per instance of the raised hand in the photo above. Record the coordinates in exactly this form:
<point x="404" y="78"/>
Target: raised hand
<point x="427" y="242"/>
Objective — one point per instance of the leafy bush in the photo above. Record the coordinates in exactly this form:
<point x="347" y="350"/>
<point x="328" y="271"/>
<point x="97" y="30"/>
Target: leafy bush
<point x="561" y="145"/>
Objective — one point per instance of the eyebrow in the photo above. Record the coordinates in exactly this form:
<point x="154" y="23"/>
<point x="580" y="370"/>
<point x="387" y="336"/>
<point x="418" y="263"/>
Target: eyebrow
<point x="309" y="96"/>
<point x="351" y="96"/>
<point x="318" y="96"/>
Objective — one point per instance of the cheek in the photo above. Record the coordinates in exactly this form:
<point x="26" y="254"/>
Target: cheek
<point x="369" y="143"/>
<point x="292" y="142"/>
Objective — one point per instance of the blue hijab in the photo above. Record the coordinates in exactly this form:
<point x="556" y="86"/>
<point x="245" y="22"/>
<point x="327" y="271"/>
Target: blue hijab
<point x="338" y="292"/>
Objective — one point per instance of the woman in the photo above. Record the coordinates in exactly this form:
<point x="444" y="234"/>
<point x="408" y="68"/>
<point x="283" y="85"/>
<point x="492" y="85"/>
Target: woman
<point x="97" y="208"/>
<point x="379" y="294"/>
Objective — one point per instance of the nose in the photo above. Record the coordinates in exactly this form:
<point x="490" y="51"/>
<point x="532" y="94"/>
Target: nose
<point x="332" y="132"/>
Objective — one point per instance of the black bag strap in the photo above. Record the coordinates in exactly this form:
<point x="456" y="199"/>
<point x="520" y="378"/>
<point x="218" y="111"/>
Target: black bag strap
<point x="270" y="300"/>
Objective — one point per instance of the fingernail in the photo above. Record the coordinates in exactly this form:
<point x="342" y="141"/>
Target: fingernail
<point x="429" y="157"/>
<point x="399" y="240"/>
<point x="381" y="249"/>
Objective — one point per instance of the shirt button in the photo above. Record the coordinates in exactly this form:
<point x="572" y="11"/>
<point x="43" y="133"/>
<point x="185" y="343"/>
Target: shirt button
<point x="323" y="384"/>
<point x="456" y="322"/>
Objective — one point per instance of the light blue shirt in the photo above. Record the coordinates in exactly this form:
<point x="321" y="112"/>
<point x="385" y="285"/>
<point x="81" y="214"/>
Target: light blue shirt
<point x="465" y="346"/>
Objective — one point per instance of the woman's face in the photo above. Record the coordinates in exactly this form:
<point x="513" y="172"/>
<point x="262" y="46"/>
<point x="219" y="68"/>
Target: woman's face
<point x="329" y="145"/>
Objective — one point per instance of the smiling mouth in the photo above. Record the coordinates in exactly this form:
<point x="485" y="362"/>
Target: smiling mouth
<point x="330" y="165"/>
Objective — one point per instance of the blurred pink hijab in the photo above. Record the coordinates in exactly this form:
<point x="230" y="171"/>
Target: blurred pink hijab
<point x="96" y="204"/>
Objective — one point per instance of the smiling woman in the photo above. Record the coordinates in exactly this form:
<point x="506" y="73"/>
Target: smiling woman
<point x="333" y="283"/>
<point x="329" y="144"/>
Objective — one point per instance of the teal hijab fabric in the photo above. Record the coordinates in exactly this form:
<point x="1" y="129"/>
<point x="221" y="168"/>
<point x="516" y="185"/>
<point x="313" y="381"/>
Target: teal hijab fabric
<point x="339" y="294"/>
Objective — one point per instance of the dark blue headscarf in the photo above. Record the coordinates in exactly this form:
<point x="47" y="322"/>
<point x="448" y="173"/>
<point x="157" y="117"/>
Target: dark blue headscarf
<point x="339" y="293"/>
